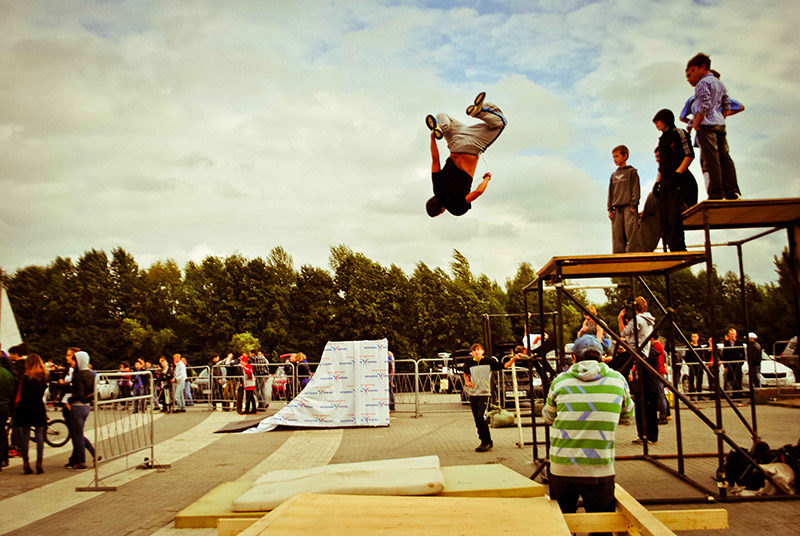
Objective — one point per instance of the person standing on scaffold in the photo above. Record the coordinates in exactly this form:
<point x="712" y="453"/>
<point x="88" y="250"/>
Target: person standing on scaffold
<point x="452" y="184"/>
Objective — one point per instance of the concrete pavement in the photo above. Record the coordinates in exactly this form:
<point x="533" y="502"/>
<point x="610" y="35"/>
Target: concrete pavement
<point x="147" y="500"/>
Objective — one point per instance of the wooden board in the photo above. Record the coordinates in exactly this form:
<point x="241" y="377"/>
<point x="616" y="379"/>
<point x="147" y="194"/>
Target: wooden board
<point x="641" y="518"/>
<point x="743" y="214"/>
<point x="214" y="505"/>
<point x="487" y="480"/>
<point x="695" y="519"/>
<point x="619" y="265"/>
<point x="323" y="515"/>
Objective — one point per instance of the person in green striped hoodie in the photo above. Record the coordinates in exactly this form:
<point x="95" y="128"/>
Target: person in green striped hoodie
<point x="583" y="407"/>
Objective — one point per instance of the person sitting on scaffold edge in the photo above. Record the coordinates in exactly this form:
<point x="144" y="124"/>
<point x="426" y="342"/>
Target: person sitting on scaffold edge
<point x="452" y="184"/>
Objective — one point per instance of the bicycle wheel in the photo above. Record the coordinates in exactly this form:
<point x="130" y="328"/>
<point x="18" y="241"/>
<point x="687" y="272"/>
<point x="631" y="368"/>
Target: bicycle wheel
<point x="57" y="433"/>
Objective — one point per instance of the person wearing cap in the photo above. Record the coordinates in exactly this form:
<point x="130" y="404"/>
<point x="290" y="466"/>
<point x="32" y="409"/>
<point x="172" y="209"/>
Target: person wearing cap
<point x="452" y="184"/>
<point x="675" y="186"/>
<point x="754" y="359"/>
<point x="584" y="406"/>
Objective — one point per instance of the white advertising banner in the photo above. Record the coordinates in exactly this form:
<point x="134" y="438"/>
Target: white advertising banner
<point x="349" y="388"/>
<point x="9" y="333"/>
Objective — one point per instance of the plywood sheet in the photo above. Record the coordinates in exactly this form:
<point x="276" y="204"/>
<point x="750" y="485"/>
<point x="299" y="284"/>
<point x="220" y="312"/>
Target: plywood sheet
<point x="619" y="265"/>
<point x="214" y="505"/>
<point x="487" y="480"/>
<point x="743" y="213"/>
<point x="411" y="516"/>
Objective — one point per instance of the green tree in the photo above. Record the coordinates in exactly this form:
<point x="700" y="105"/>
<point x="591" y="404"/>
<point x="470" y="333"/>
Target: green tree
<point x="244" y="342"/>
<point x="312" y="312"/>
<point x="431" y="331"/>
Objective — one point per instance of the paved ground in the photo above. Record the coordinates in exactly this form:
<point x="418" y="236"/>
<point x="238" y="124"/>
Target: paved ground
<point x="147" y="500"/>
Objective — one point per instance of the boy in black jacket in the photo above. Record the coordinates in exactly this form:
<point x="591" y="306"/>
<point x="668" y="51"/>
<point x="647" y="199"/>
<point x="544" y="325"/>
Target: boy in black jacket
<point x="675" y="186"/>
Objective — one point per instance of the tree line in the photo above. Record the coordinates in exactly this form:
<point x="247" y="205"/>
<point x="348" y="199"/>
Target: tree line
<point x="117" y="310"/>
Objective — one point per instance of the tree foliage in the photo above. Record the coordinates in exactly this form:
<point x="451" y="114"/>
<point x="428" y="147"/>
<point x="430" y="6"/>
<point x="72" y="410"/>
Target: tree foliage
<point x="117" y="310"/>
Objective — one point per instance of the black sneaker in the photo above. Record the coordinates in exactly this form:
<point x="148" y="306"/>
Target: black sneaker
<point x="475" y="108"/>
<point x="433" y="125"/>
<point x="483" y="447"/>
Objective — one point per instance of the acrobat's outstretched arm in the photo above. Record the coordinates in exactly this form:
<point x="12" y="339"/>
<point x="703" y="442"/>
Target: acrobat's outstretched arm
<point x="477" y="192"/>
<point x="436" y="166"/>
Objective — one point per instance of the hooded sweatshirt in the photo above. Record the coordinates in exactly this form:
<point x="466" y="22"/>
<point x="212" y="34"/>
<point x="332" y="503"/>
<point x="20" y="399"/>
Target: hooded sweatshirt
<point x="82" y="381"/>
<point x="644" y="327"/>
<point x="584" y="406"/>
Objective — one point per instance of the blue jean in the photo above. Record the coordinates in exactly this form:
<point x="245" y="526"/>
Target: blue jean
<point x="80" y="444"/>
<point x="180" y="401"/>
<point x="139" y="405"/>
<point x="24" y="438"/>
<point x="187" y="393"/>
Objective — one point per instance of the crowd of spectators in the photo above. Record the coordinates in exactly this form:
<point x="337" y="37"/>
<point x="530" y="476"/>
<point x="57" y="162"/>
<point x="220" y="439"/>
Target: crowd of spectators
<point x="29" y="385"/>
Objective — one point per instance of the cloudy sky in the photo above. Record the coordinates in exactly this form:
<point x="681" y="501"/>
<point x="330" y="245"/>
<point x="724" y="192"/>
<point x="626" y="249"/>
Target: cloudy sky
<point x="182" y="129"/>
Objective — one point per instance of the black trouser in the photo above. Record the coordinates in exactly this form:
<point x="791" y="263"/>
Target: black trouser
<point x="670" y="207"/>
<point x="733" y="378"/>
<point x="649" y="414"/>
<point x="597" y="494"/>
<point x="695" y="377"/>
<point x="250" y="401"/>
<point x="478" y="405"/>
<point x="715" y="160"/>
<point x="4" y="439"/>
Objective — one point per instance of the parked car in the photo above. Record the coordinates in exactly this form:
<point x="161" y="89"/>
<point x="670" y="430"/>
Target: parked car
<point x="200" y="386"/>
<point x="789" y="356"/>
<point x="772" y="372"/>
<point x="107" y="389"/>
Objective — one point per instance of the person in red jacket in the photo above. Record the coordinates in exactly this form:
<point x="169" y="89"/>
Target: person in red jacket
<point x="663" y="406"/>
<point x="249" y="385"/>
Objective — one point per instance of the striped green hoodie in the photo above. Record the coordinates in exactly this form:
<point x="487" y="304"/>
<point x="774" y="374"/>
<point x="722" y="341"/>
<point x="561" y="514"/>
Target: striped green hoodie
<point x="584" y="406"/>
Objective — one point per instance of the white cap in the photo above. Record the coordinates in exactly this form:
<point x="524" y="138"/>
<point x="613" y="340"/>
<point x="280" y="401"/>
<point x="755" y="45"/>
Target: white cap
<point x="752" y="335"/>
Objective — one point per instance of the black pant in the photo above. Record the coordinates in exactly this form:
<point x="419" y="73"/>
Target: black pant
<point x="3" y="436"/>
<point x="670" y="207"/>
<point x="695" y="378"/>
<point x="478" y="405"/>
<point x="597" y="494"/>
<point x="250" y="401"/>
<point x="715" y="160"/>
<point x="733" y="378"/>
<point x="649" y="429"/>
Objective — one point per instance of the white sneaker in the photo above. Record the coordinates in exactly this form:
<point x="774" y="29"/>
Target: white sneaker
<point x="475" y="108"/>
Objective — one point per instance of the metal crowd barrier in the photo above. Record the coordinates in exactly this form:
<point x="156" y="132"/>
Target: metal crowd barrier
<point x="707" y="387"/>
<point x="119" y="430"/>
<point x="197" y="386"/>
<point x="406" y="386"/>
<point x="275" y="385"/>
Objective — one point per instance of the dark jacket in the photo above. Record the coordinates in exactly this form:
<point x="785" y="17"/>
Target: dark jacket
<point x="7" y="393"/>
<point x="30" y="411"/>
<point x="82" y="387"/>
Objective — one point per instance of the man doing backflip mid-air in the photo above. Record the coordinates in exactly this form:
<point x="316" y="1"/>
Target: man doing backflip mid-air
<point x="452" y="184"/>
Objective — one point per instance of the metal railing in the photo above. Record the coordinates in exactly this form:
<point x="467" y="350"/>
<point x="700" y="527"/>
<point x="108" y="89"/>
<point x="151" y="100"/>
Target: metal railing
<point x="119" y="433"/>
<point x="273" y="384"/>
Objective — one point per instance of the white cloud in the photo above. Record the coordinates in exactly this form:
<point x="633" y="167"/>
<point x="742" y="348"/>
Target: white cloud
<point x="178" y="130"/>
